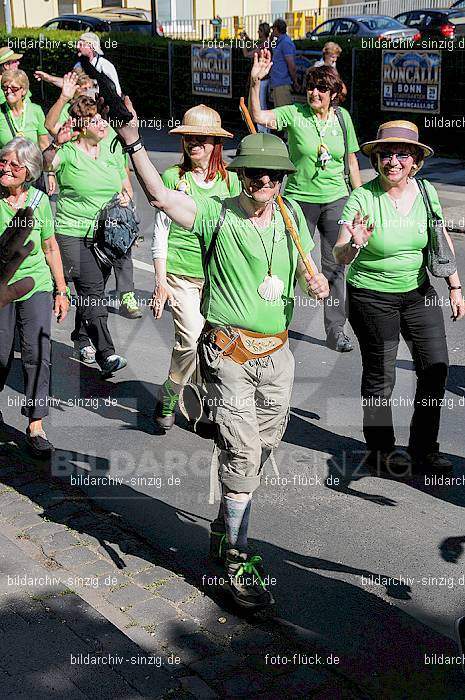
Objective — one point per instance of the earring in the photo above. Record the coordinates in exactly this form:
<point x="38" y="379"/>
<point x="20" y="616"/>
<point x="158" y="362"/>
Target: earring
<point x="84" y="132"/>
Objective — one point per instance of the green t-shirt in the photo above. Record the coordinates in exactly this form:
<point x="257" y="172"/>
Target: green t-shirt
<point x="312" y="183"/>
<point x="35" y="265"/>
<point x="32" y="127"/>
<point x="86" y="185"/>
<point x="393" y="259"/>
<point x="184" y="251"/>
<point x="239" y="265"/>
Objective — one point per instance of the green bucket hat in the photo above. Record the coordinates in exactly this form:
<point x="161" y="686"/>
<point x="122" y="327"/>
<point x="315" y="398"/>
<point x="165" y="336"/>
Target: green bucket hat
<point x="262" y="151"/>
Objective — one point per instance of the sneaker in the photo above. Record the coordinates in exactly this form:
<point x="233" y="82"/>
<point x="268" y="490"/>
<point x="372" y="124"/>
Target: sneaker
<point x="246" y="580"/>
<point x="128" y="306"/>
<point x="166" y="403"/>
<point x="430" y="462"/>
<point x="87" y="354"/>
<point x="218" y="542"/>
<point x="339" y="343"/>
<point x="391" y="463"/>
<point x="38" y="444"/>
<point x="460" y="633"/>
<point x="112" y="364"/>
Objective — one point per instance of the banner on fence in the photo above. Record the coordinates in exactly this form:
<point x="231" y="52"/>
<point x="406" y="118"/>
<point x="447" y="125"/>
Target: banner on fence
<point x="411" y="81"/>
<point x="211" y="71"/>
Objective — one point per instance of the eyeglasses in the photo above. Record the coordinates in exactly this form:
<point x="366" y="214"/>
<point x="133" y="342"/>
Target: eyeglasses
<point x="401" y="157"/>
<point x="257" y="174"/>
<point x="14" y="167"/>
<point x="11" y="88"/>
<point x="321" y="87"/>
<point x="188" y="138"/>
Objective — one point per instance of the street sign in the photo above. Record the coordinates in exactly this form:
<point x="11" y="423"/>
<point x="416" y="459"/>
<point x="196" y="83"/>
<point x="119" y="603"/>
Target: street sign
<point x="211" y="69"/>
<point x="411" y="81"/>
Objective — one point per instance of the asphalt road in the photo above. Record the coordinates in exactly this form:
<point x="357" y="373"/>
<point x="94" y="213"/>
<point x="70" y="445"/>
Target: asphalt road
<point x="372" y="565"/>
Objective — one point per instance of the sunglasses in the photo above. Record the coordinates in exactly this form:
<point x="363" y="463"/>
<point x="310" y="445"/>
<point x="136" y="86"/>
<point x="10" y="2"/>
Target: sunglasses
<point x="192" y="138"/>
<point x="255" y="174"/>
<point x="14" y="167"/>
<point x="11" y="88"/>
<point x="385" y="156"/>
<point x="321" y="87"/>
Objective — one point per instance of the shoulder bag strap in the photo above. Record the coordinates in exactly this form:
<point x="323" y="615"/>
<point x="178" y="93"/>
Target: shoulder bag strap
<point x="342" y="124"/>
<point x="8" y="119"/>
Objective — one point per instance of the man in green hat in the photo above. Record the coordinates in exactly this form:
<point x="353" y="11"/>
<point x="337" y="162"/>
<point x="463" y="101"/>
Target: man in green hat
<point x="251" y="267"/>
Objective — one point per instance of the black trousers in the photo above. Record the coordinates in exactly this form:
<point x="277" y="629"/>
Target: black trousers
<point x="378" y="318"/>
<point x="124" y="273"/>
<point x="82" y="267"/>
<point x="326" y="217"/>
<point x="33" y="318"/>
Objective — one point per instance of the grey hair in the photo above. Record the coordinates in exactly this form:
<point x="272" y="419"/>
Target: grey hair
<point x="28" y="154"/>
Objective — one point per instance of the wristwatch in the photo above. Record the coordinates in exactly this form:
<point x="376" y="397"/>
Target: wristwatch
<point x="133" y="147"/>
<point x="66" y="293"/>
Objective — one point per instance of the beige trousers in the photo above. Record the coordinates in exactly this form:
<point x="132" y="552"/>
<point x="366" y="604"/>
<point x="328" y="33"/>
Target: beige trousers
<point x="188" y="324"/>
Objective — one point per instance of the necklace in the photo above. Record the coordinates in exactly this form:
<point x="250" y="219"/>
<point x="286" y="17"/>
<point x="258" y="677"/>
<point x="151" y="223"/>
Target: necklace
<point x="272" y="287"/>
<point x="20" y="129"/>
<point x="16" y="204"/>
<point x="324" y="156"/>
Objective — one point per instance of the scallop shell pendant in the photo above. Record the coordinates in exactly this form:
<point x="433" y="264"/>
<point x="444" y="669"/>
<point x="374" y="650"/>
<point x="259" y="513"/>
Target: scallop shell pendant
<point x="271" y="288"/>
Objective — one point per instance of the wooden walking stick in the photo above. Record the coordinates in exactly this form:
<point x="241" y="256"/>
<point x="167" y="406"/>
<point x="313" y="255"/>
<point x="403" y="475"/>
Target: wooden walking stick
<point x="282" y="207"/>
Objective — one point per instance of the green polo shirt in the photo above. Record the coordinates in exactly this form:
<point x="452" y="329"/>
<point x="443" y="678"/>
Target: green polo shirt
<point x="393" y="260"/>
<point x="312" y="183"/>
<point x="35" y="265"/>
<point x="32" y="128"/>
<point x="239" y="265"/>
<point x="184" y="251"/>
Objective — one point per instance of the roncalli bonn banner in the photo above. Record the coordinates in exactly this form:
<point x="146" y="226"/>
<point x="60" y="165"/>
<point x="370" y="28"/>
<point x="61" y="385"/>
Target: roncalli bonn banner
<point x="211" y="71"/>
<point x="411" y="81"/>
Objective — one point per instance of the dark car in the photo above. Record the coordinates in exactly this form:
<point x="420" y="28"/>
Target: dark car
<point x="374" y="26"/>
<point x="102" y="23"/>
<point x="435" y="24"/>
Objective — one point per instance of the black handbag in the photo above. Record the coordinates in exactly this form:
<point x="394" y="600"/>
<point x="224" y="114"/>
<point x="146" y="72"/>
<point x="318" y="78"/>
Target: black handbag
<point x="115" y="231"/>
<point x="440" y="260"/>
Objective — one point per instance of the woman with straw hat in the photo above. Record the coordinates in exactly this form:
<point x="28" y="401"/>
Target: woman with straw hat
<point x="383" y="238"/>
<point x="177" y="254"/>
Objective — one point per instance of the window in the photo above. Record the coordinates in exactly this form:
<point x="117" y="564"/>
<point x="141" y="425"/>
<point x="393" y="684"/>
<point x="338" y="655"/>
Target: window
<point x="403" y="19"/>
<point x="112" y="3"/>
<point x="345" y="26"/>
<point x="52" y="25"/>
<point x="72" y="25"/>
<point x="141" y="27"/>
<point x="327" y="28"/>
<point x="457" y="18"/>
<point x="377" y="23"/>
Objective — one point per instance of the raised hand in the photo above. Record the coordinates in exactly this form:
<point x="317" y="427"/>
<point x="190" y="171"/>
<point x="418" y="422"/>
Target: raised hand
<point x="66" y="132"/>
<point x="360" y="230"/>
<point x="69" y="85"/>
<point x="12" y="253"/>
<point x="261" y="65"/>
<point x="40" y="75"/>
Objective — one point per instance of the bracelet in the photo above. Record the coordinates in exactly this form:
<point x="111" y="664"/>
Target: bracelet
<point x="450" y="287"/>
<point x="133" y="147"/>
<point x="55" y="145"/>
<point x="356" y="246"/>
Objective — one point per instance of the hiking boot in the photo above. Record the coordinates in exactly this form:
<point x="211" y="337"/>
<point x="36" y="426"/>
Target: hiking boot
<point x="113" y="363"/>
<point x="128" y="306"/>
<point x="245" y="580"/>
<point x="164" y="408"/>
<point x="339" y="343"/>
<point x="430" y="462"/>
<point x="87" y="355"/>
<point x="391" y="463"/>
<point x="38" y="444"/>
<point x="218" y="542"/>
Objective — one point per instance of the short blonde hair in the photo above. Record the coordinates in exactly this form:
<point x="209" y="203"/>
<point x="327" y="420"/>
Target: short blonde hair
<point x="332" y="47"/>
<point x="16" y="76"/>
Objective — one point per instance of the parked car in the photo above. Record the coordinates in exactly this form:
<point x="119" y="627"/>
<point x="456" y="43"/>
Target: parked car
<point x="375" y="26"/>
<point x="101" y="23"/>
<point x="137" y="12"/>
<point x="436" y="24"/>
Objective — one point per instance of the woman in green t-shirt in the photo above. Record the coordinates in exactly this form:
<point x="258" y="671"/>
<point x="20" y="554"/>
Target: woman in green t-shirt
<point x="177" y="254"/>
<point x="20" y="165"/>
<point x="89" y="174"/>
<point x="321" y="154"/>
<point x="383" y="237"/>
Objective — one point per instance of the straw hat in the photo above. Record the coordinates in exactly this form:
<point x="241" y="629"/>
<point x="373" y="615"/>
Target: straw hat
<point x="201" y="120"/>
<point x="7" y="54"/>
<point x="398" y="131"/>
<point x="93" y="40"/>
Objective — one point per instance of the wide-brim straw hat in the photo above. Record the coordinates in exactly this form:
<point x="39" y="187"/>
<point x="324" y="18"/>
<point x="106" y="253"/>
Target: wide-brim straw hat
<point x="7" y="54"/>
<point x="398" y="131"/>
<point x="262" y="151"/>
<point x="93" y="40"/>
<point x="201" y="121"/>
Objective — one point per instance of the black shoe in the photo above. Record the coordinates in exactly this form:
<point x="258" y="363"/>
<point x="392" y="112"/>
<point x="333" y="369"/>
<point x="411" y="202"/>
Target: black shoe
<point x="245" y="580"/>
<point x="39" y="445"/>
<point x="112" y="364"/>
<point x="430" y="462"/>
<point x="460" y="632"/>
<point x="389" y="463"/>
<point x="339" y="343"/>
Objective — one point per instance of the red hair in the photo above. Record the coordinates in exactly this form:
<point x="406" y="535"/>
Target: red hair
<point x="216" y="164"/>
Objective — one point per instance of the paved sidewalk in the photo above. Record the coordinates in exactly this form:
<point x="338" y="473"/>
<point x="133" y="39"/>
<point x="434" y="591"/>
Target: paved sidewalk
<point x="90" y="610"/>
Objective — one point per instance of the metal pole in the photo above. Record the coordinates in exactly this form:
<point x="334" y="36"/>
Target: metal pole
<point x="352" y="84"/>
<point x="8" y="22"/>
<point x="170" y="76"/>
<point x="153" y="7"/>
<point x="41" y="40"/>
